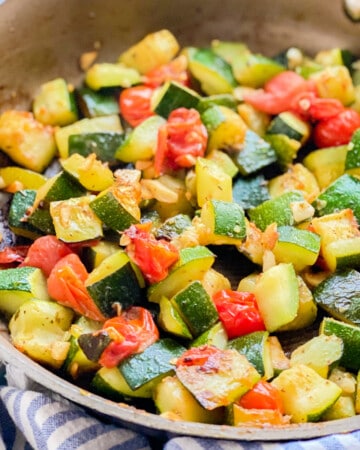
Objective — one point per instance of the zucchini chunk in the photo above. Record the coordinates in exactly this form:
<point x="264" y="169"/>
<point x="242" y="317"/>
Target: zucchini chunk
<point x="103" y="144"/>
<point x="20" y="205"/>
<point x="96" y="103"/>
<point x="39" y="329"/>
<point x="106" y="75"/>
<point x="172" y="96"/>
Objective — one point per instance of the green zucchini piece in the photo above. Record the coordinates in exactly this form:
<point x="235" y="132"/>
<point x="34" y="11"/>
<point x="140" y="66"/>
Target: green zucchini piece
<point x="97" y="103"/>
<point x="253" y="154"/>
<point x="102" y="124"/>
<point x="213" y="72"/>
<point x="223" y="160"/>
<point x="224" y="222"/>
<point x="352" y="160"/>
<point x="173" y="227"/>
<point x="93" y="255"/>
<point x="192" y="265"/>
<point x="20" y="205"/>
<point x="250" y="191"/>
<point x="343" y="408"/>
<point x="173" y="399"/>
<point x="93" y="344"/>
<point x="229" y="51"/>
<point x="174" y="95"/>
<point x="74" y="220"/>
<point x="55" y="104"/>
<point x="154" y="363"/>
<point x="256" y="348"/>
<point x="227" y="100"/>
<point x="171" y="321"/>
<point x="254" y="70"/>
<point x="339" y="295"/>
<point x="141" y="142"/>
<point x="115" y="281"/>
<point x="195" y="307"/>
<point x="279" y="360"/>
<point x="278" y="302"/>
<point x="278" y="210"/>
<point x="319" y="353"/>
<point x="76" y="363"/>
<point x="286" y="148"/>
<point x="306" y="395"/>
<point x="341" y="194"/>
<point x="350" y="334"/>
<point x="105" y="75"/>
<point x="216" y="336"/>
<point x="104" y="145"/>
<point x="296" y="246"/>
<point x="291" y="125"/>
<point x="39" y="329"/>
<point x="112" y="384"/>
<point x="20" y="284"/>
<point x="230" y="376"/>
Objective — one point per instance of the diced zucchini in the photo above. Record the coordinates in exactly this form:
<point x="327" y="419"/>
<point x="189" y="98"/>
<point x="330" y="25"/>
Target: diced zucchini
<point x="346" y="380"/>
<point x="352" y="161"/>
<point x="327" y="164"/>
<point x="350" y="334"/>
<point x="335" y="82"/>
<point x="212" y="183"/>
<point x="173" y="227"/>
<point x="141" y="142"/>
<point x="213" y="72"/>
<point x="339" y="295"/>
<point x="171" y="396"/>
<point x="230" y="51"/>
<point x="194" y="262"/>
<point x="296" y="246"/>
<point x="97" y="103"/>
<point x="279" y="360"/>
<point x="39" y="329"/>
<point x="319" y="353"/>
<point x="54" y="104"/>
<point x="17" y="285"/>
<point x="286" y="148"/>
<point x="225" y="127"/>
<point x="26" y="179"/>
<point x="256" y="348"/>
<point x="195" y="307"/>
<point x="154" y="363"/>
<point x="26" y="141"/>
<point x="172" y="96"/>
<point x="291" y="125"/>
<point x="227" y="100"/>
<point x="105" y="75"/>
<point x="115" y="281"/>
<point x="254" y="70"/>
<point x="95" y="254"/>
<point x="171" y="321"/>
<point x="341" y="194"/>
<point x="305" y="394"/>
<point x="214" y="281"/>
<point x="253" y="154"/>
<point x="343" y="408"/>
<point x="112" y="384"/>
<point x="229" y="377"/>
<point x="256" y="120"/>
<point x="20" y="205"/>
<point x="216" y="336"/>
<point x="278" y="302"/>
<point x="223" y="160"/>
<point x="102" y="124"/>
<point x="152" y="51"/>
<point x="250" y="191"/>
<point x="74" y="220"/>
<point x="104" y="145"/>
<point x="277" y="210"/>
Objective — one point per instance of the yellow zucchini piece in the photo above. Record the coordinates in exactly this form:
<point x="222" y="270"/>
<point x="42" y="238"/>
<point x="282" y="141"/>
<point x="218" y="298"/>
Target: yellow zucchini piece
<point x="335" y="82"/>
<point x="153" y="50"/>
<point x="26" y="141"/>
<point x="211" y="182"/>
<point x="104" y="75"/>
<point x="27" y="179"/>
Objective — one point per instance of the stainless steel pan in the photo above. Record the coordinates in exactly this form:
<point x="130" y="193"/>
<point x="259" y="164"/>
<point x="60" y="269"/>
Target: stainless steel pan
<point x="42" y="39"/>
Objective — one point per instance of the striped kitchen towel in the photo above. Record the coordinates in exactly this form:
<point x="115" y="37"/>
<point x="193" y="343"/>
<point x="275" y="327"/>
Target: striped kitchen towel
<point x="42" y="420"/>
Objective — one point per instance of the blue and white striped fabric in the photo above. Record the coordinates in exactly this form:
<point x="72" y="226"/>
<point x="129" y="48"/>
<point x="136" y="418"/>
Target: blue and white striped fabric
<point x="45" y="421"/>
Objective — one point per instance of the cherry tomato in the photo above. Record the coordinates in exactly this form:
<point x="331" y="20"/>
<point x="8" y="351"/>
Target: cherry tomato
<point x="197" y="356"/>
<point x="238" y="312"/>
<point x="153" y="256"/>
<point x="279" y="93"/>
<point x="262" y="396"/>
<point x="66" y="285"/>
<point x="45" y="252"/>
<point x="313" y="108"/>
<point x="175" y="70"/>
<point x="181" y="140"/>
<point x="336" y="130"/>
<point x="135" y="330"/>
<point x="135" y="104"/>
<point x="15" y="254"/>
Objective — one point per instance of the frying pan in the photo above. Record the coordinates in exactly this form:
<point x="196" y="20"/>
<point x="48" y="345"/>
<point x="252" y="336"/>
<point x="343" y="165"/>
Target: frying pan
<point x="43" y="39"/>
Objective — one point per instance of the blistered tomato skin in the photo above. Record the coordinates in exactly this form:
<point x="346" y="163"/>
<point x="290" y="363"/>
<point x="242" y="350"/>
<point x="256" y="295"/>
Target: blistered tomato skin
<point x="336" y="130"/>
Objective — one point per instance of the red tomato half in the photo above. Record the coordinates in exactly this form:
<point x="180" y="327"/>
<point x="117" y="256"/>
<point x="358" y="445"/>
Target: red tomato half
<point x="15" y="254"/>
<point x="153" y="256"/>
<point x="336" y="130"/>
<point x="45" y="252"/>
<point x="135" y="104"/>
<point x="135" y="331"/>
<point x="66" y="285"/>
<point x="262" y="396"/>
<point x="181" y="140"/>
<point x="238" y="312"/>
<point x="313" y="108"/>
<point x="279" y="93"/>
<point x="175" y="70"/>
